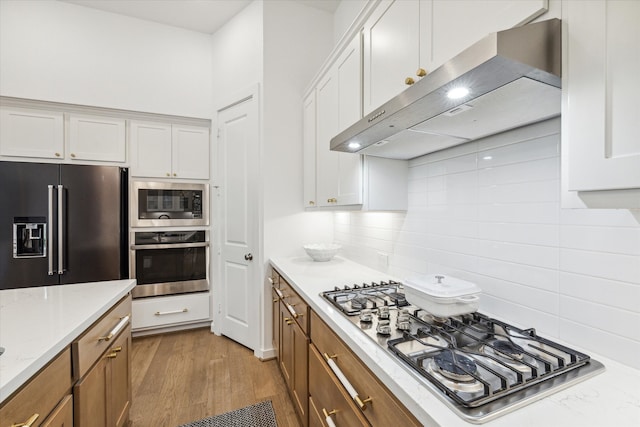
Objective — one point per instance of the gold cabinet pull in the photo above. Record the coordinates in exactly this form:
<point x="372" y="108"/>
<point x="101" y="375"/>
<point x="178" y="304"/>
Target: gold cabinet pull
<point x="409" y="81"/>
<point x="276" y="300"/>
<point x="73" y="156"/>
<point x="117" y="349"/>
<point x="121" y="324"/>
<point x="327" y="416"/>
<point x="311" y="202"/>
<point x="332" y="200"/>
<point x="57" y="155"/>
<point x="27" y="423"/>
<point x="288" y="320"/>
<point x="175" y="174"/>
<point x="421" y="72"/>
<point x="112" y="355"/>
<point x="168" y="174"/>
<point x="362" y="404"/>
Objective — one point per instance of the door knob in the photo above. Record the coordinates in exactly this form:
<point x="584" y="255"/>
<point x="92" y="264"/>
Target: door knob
<point x="248" y="257"/>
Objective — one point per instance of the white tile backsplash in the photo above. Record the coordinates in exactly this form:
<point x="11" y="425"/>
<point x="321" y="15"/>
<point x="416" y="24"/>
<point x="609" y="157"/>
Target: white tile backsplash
<point x="489" y="212"/>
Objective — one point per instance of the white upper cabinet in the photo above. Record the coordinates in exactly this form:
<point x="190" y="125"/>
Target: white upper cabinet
<point x="309" y="149"/>
<point x="97" y="138"/>
<point x="339" y="175"/>
<point x="190" y="149"/>
<point x="150" y="149"/>
<point x="601" y="116"/>
<point x="456" y="25"/>
<point x="31" y="133"/>
<point x="391" y="52"/>
<point x="161" y="150"/>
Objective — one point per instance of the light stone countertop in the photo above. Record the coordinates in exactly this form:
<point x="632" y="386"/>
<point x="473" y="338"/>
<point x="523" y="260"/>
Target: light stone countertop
<point x="37" y="323"/>
<point x="611" y="398"/>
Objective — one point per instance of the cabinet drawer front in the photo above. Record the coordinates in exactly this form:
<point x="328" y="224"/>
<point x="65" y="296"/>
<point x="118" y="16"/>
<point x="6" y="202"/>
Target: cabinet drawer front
<point x="295" y="305"/>
<point x="325" y="393"/>
<point x="88" y="348"/>
<point x="41" y="394"/>
<point x="383" y="409"/>
<point x="163" y="311"/>
<point x="62" y="416"/>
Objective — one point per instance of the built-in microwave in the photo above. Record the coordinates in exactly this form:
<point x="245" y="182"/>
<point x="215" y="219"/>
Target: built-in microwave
<point x="167" y="204"/>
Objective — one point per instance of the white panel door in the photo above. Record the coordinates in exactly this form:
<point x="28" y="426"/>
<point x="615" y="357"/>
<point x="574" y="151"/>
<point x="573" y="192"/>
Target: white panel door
<point x="97" y="138"/>
<point x="150" y="149"/>
<point x="190" y="152"/>
<point x="31" y="133"/>
<point x="602" y="114"/>
<point x="327" y="162"/>
<point x="238" y="161"/>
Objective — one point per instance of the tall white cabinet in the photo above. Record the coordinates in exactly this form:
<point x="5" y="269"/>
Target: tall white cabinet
<point x="601" y="114"/>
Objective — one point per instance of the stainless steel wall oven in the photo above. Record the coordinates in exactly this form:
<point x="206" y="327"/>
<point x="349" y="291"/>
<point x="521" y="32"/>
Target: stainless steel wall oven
<point x="169" y="204"/>
<point x="169" y="262"/>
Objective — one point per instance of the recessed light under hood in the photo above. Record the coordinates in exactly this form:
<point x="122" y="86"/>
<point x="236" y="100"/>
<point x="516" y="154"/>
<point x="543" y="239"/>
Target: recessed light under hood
<point x="513" y="78"/>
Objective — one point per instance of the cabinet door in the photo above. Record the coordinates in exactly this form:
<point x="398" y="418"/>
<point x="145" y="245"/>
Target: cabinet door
<point x="600" y="113"/>
<point x="190" y="152"/>
<point x="339" y="175"/>
<point x="391" y="50"/>
<point x="309" y="149"/>
<point x="150" y="149"/>
<point x="456" y="25"/>
<point x="97" y="138"/>
<point x="31" y="133"/>
<point x="62" y="416"/>
<point x="300" y="389"/>
<point x="90" y="395"/>
<point x="120" y="380"/>
<point x="275" y="323"/>
<point x="286" y="345"/>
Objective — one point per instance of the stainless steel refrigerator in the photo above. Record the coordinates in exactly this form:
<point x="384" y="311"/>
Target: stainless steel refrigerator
<point x="62" y="224"/>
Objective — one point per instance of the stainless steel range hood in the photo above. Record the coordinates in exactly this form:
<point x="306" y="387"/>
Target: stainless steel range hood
<point x="513" y="78"/>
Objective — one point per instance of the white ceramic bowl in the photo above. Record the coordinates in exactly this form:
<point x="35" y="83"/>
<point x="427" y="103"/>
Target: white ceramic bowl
<point x="443" y="296"/>
<point x="322" y="251"/>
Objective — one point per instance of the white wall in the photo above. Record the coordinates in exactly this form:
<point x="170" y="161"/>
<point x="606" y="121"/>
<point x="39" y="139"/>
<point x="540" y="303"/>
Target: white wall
<point x="344" y="16"/>
<point x="297" y="39"/>
<point x="489" y="212"/>
<point x="62" y="52"/>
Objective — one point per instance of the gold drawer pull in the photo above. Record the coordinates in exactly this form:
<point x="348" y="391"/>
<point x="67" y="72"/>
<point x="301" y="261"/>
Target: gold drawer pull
<point x="112" y="355"/>
<point x="362" y="404"/>
<point x="121" y="324"/>
<point x="27" y="423"/>
<point x="327" y="417"/>
<point x="117" y="349"/>
<point x="288" y="320"/>
<point x="162" y="313"/>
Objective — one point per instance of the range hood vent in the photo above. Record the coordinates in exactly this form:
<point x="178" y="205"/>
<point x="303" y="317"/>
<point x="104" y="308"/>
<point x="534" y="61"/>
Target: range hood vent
<point x="513" y="78"/>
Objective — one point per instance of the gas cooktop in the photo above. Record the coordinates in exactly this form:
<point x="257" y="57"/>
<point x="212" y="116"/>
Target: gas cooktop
<point x="479" y="366"/>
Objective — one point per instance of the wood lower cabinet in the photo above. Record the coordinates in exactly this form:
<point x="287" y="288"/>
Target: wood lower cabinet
<point x="41" y="396"/>
<point x="374" y="401"/>
<point x="328" y="398"/>
<point x="103" y="395"/>
<point x="292" y="343"/>
<point x="62" y="416"/>
<point x="102" y="362"/>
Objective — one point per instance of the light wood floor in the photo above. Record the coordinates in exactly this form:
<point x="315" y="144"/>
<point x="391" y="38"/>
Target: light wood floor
<point x="187" y="376"/>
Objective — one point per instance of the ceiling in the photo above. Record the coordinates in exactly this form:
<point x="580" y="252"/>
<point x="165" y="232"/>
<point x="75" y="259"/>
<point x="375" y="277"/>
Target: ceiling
<point x="205" y="16"/>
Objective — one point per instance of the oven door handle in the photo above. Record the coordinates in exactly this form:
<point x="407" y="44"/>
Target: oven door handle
<point x="169" y="246"/>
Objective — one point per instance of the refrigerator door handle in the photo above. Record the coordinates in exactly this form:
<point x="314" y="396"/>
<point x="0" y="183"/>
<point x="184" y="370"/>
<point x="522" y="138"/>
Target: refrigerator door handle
<point x="60" y="229"/>
<point x="50" y="231"/>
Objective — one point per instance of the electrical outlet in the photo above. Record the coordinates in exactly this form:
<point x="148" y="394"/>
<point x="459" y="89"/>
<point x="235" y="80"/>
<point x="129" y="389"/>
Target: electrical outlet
<point x="383" y="260"/>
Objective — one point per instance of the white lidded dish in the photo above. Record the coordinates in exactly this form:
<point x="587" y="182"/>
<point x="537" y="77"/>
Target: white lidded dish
<point x="443" y="296"/>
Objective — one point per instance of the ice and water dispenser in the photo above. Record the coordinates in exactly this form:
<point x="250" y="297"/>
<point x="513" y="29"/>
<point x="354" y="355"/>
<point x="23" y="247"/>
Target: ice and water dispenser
<point x="29" y="237"/>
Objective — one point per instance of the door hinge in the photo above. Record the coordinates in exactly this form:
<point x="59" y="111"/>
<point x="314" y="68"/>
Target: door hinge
<point x="219" y="308"/>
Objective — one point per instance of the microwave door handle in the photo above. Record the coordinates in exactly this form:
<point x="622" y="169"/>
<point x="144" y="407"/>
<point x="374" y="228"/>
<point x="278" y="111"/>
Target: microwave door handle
<point x="61" y="242"/>
<point x="50" y="230"/>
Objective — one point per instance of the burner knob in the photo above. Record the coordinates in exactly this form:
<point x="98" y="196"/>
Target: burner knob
<point x="383" y="312"/>
<point x="383" y="327"/>
<point x="403" y="322"/>
<point x="366" y="316"/>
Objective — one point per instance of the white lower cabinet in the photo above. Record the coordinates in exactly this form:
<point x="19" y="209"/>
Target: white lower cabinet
<point x="165" y="311"/>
